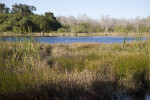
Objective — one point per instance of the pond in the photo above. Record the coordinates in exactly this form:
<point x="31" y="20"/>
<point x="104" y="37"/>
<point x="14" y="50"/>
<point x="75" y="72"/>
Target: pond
<point x="52" y="40"/>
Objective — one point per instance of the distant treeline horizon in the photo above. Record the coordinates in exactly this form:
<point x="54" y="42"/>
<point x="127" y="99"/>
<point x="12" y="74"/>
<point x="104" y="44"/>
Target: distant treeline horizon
<point x="21" y="19"/>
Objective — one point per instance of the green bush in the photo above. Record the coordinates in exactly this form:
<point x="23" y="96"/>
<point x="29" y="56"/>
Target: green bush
<point x="63" y="30"/>
<point x="82" y="28"/>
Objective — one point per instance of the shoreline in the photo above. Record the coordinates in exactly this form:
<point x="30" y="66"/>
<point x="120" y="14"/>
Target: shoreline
<point x="75" y="34"/>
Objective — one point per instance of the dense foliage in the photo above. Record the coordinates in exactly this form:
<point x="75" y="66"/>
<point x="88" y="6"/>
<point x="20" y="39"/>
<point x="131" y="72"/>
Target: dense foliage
<point x="81" y="28"/>
<point x="21" y="19"/>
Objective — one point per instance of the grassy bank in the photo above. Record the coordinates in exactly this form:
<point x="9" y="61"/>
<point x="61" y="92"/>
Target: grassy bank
<point x="30" y="70"/>
<point x="75" y="34"/>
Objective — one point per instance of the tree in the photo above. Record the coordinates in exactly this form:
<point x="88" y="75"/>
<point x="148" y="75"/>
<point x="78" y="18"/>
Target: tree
<point x="23" y="9"/>
<point x="50" y="15"/>
<point x="82" y="28"/>
<point x="52" y="20"/>
<point x="3" y="9"/>
<point x="119" y="29"/>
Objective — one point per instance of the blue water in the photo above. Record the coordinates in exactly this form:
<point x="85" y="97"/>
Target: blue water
<point x="52" y="40"/>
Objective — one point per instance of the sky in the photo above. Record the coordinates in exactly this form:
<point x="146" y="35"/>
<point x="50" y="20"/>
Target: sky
<point x="92" y="8"/>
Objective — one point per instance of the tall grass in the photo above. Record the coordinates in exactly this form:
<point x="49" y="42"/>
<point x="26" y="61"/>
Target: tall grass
<point x="19" y="66"/>
<point x="29" y="70"/>
<point x="130" y="65"/>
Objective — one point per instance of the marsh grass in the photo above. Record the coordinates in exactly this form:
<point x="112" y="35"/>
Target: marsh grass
<point x="129" y="64"/>
<point x="19" y="66"/>
<point x="31" y="71"/>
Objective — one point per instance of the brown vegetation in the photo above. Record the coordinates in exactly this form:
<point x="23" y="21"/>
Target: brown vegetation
<point x="77" y="71"/>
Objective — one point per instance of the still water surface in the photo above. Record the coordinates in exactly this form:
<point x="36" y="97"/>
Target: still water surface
<point x="52" y="40"/>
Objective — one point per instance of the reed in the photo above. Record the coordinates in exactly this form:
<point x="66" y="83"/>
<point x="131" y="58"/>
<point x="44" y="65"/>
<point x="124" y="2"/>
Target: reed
<point x="30" y="70"/>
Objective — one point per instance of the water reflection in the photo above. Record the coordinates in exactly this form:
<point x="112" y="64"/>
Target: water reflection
<point x="130" y="95"/>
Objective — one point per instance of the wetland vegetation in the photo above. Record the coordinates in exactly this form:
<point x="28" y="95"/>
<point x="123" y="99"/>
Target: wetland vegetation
<point x="77" y="71"/>
<point x="30" y="70"/>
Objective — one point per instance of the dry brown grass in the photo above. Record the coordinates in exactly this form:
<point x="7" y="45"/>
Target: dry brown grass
<point x="77" y="71"/>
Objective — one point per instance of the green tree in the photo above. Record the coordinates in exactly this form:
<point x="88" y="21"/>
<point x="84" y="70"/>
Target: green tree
<point x="99" y="29"/>
<point x="64" y="28"/>
<point x="23" y="20"/>
<point x="23" y="9"/>
<point x="3" y="8"/>
<point x="142" y="29"/>
<point x="52" y="20"/>
<point x="82" y="28"/>
<point x="130" y="28"/>
<point x="119" y="29"/>
<point x="50" y="15"/>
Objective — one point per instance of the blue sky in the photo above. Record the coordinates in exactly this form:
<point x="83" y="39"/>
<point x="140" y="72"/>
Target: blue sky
<point x="92" y="8"/>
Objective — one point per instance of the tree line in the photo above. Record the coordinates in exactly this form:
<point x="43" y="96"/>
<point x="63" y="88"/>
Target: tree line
<point x="21" y="19"/>
<point x="83" y="23"/>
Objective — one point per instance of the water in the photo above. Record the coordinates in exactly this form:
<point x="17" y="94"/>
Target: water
<point x="131" y="96"/>
<point x="52" y="40"/>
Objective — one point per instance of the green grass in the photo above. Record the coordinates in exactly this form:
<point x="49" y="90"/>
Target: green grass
<point x="129" y="63"/>
<point x="19" y="66"/>
<point x="33" y="70"/>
